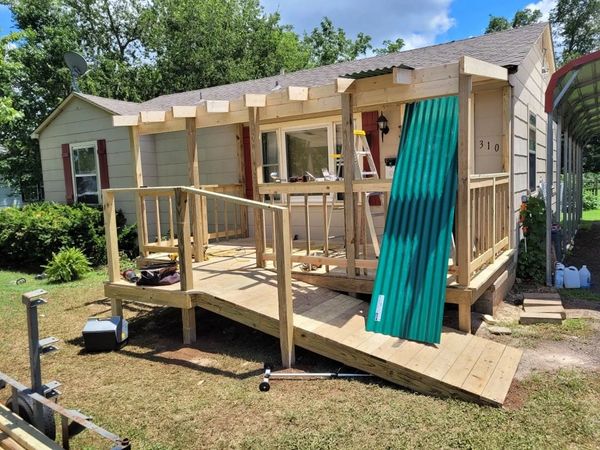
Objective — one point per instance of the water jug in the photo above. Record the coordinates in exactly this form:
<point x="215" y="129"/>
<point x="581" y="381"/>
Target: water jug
<point x="572" y="278"/>
<point x="585" y="277"/>
<point x="559" y="276"/>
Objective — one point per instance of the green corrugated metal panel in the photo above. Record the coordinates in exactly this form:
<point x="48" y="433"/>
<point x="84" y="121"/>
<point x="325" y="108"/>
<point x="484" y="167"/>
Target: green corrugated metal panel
<point x="410" y="284"/>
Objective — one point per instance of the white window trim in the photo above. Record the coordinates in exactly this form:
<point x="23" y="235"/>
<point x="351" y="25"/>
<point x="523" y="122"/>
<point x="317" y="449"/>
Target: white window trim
<point x="79" y="145"/>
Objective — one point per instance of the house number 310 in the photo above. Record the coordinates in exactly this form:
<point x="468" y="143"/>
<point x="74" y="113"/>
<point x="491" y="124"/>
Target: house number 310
<point x="488" y="145"/>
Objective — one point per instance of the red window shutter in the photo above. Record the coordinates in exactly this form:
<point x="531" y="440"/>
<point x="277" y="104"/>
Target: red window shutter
<point x="247" y="162"/>
<point x="103" y="162"/>
<point x="68" y="174"/>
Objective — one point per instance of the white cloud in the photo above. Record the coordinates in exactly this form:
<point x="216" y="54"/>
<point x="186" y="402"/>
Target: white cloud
<point x="545" y="6"/>
<point x="418" y="23"/>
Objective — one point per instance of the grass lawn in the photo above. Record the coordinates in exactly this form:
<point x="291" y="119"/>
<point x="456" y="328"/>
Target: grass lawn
<point x="165" y="396"/>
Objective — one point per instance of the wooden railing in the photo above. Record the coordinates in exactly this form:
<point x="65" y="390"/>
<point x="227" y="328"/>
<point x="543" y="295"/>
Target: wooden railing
<point x="218" y="218"/>
<point x="181" y="198"/>
<point x="310" y="199"/>
<point x="489" y="209"/>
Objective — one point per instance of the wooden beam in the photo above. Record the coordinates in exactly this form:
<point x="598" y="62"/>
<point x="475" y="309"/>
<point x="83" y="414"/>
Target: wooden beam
<point x="188" y="319"/>
<point x="256" y="163"/>
<point x="403" y="76"/>
<point x="297" y="93"/>
<point x="138" y="176"/>
<point x="125" y="121"/>
<point x="152" y="116"/>
<point x="343" y="84"/>
<point x="255" y="100"/>
<point x="183" y="112"/>
<point x="194" y="180"/>
<point x="217" y="106"/>
<point x="184" y="238"/>
<point x="283" y="250"/>
<point x="476" y="67"/>
<point x="465" y="148"/>
<point x="348" y="155"/>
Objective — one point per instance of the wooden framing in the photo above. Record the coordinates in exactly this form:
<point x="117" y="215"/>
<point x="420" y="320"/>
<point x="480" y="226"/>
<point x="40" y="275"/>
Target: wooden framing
<point x="476" y="67"/>
<point x="198" y="205"/>
<point x="256" y="163"/>
<point x="297" y="93"/>
<point x="403" y="76"/>
<point x="349" y="203"/>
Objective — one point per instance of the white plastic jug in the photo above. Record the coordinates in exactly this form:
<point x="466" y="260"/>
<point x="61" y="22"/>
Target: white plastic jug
<point x="559" y="275"/>
<point x="585" y="277"/>
<point x="572" y="278"/>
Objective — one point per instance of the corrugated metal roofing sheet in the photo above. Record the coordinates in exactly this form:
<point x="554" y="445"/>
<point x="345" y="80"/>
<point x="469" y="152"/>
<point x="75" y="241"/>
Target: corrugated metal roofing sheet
<point x="375" y="72"/>
<point x="410" y="284"/>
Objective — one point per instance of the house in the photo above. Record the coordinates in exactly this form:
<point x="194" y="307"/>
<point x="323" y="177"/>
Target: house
<point x="184" y="165"/>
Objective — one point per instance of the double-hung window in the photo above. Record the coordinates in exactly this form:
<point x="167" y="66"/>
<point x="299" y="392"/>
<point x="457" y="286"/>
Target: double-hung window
<point x="84" y="163"/>
<point x="307" y="152"/>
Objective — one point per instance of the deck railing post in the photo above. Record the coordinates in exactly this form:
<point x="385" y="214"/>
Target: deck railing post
<point x="463" y="209"/>
<point x="112" y="245"/>
<point x="284" y="286"/>
<point x="183" y="235"/>
<point x="349" y="197"/>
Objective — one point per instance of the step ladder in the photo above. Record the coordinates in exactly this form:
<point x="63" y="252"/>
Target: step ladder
<point x="362" y="157"/>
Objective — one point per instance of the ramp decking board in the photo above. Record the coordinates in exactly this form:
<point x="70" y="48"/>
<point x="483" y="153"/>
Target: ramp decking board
<point x="333" y="325"/>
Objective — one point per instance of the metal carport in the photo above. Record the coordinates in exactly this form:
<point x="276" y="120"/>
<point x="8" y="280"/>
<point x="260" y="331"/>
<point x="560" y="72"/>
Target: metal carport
<point x="573" y="102"/>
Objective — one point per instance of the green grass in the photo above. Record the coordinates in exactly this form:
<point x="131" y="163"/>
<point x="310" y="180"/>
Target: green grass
<point x="580" y="294"/>
<point x="165" y="396"/>
<point x="589" y="217"/>
<point x="531" y="335"/>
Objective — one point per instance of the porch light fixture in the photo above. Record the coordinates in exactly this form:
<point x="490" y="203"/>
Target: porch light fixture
<point x="382" y="124"/>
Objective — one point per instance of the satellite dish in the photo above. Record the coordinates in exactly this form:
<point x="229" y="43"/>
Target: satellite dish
<point x="78" y="68"/>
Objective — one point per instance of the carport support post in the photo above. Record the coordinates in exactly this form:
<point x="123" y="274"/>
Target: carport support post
<point x="349" y="204"/>
<point x="548" y="195"/>
<point x="558" y="169"/>
<point x="257" y="166"/>
<point x="138" y="175"/>
<point x="194" y="180"/>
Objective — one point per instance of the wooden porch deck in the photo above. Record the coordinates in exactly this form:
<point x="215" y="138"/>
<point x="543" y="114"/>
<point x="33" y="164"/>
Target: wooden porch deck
<point x="333" y="325"/>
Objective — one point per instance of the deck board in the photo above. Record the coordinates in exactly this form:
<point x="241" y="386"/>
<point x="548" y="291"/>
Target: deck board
<point x="333" y="325"/>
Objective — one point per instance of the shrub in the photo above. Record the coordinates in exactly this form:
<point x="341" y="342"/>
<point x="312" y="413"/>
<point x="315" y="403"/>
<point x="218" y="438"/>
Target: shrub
<point x="67" y="265"/>
<point x="28" y="235"/>
<point x="590" y="201"/>
<point x="532" y="248"/>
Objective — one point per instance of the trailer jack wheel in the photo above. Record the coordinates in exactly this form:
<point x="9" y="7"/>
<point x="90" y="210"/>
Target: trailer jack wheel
<point x="25" y="410"/>
<point x="264" y="386"/>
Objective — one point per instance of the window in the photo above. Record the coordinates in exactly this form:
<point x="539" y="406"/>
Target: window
<point x="85" y="173"/>
<point x="532" y="152"/>
<point x="307" y="151"/>
<point x="270" y="156"/>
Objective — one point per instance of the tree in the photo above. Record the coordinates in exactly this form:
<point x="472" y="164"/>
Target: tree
<point x="576" y="27"/>
<point x="522" y="17"/>
<point x="390" y="47"/>
<point x="497" y="23"/>
<point x="328" y="44"/>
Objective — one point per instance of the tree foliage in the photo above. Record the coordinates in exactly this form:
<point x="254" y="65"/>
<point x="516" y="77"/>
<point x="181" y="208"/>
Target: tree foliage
<point x="328" y="44"/>
<point x="576" y="27"/>
<point x="521" y="18"/>
<point x="390" y="47"/>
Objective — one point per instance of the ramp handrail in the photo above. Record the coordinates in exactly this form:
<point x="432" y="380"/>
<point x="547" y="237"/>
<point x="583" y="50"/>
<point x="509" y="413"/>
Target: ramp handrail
<point x="183" y="226"/>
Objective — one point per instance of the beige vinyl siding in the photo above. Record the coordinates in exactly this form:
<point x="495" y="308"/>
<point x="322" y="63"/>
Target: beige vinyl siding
<point x="82" y="122"/>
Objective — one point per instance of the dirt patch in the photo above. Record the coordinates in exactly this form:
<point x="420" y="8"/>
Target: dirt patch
<point x="517" y="396"/>
<point x="586" y="252"/>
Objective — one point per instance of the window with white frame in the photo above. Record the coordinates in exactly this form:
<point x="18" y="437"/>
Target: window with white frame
<point x="84" y="163"/>
<point x="532" y="153"/>
<point x="270" y="154"/>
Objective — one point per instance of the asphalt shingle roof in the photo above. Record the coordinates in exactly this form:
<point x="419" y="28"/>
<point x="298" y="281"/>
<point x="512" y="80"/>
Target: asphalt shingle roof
<point x="505" y="48"/>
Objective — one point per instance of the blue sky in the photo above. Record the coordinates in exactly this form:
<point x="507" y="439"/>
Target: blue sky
<point x="419" y="23"/>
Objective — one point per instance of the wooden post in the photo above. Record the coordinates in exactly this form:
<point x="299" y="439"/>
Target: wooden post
<point x="507" y="159"/>
<point x="112" y="247"/>
<point x="465" y="148"/>
<point x="349" y="205"/>
<point x="183" y="234"/>
<point x="188" y="318"/>
<point x="242" y="181"/>
<point x="138" y="174"/>
<point x="256" y="163"/>
<point x="284" y="286"/>
<point x="194" y="180"/>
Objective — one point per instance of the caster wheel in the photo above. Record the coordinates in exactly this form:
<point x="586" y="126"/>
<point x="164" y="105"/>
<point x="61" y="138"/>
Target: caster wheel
<point x="264" y="386"/>
<point x="268" y="366"/>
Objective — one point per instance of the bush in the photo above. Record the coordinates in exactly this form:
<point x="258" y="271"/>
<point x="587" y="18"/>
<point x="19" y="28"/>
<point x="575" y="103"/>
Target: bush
<point x="590" y="201"/>
<point x="67" y="265"/>
<point x="28" y="235"/>
<point x="532" y="248"/>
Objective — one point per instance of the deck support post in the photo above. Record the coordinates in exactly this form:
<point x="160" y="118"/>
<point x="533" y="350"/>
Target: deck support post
<point x="464" y="316"/>
<point x="194" y="180"/>
<point x="465" y="150"/>
<point x="188" y="318"/>
<point x="284" y="286"/>
<point x="183" y="234"/>
<point x="112" y="247"/>
<point x="349" y="202"/>
<point x="257" y="164"/>
<point x="138" y="174"/>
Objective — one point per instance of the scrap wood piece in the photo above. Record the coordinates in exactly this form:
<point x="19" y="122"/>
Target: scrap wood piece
<point x="529" y="318"/>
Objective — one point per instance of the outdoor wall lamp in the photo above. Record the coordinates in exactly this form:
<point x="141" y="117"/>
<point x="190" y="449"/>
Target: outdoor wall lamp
<point x="382" y="124"/>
